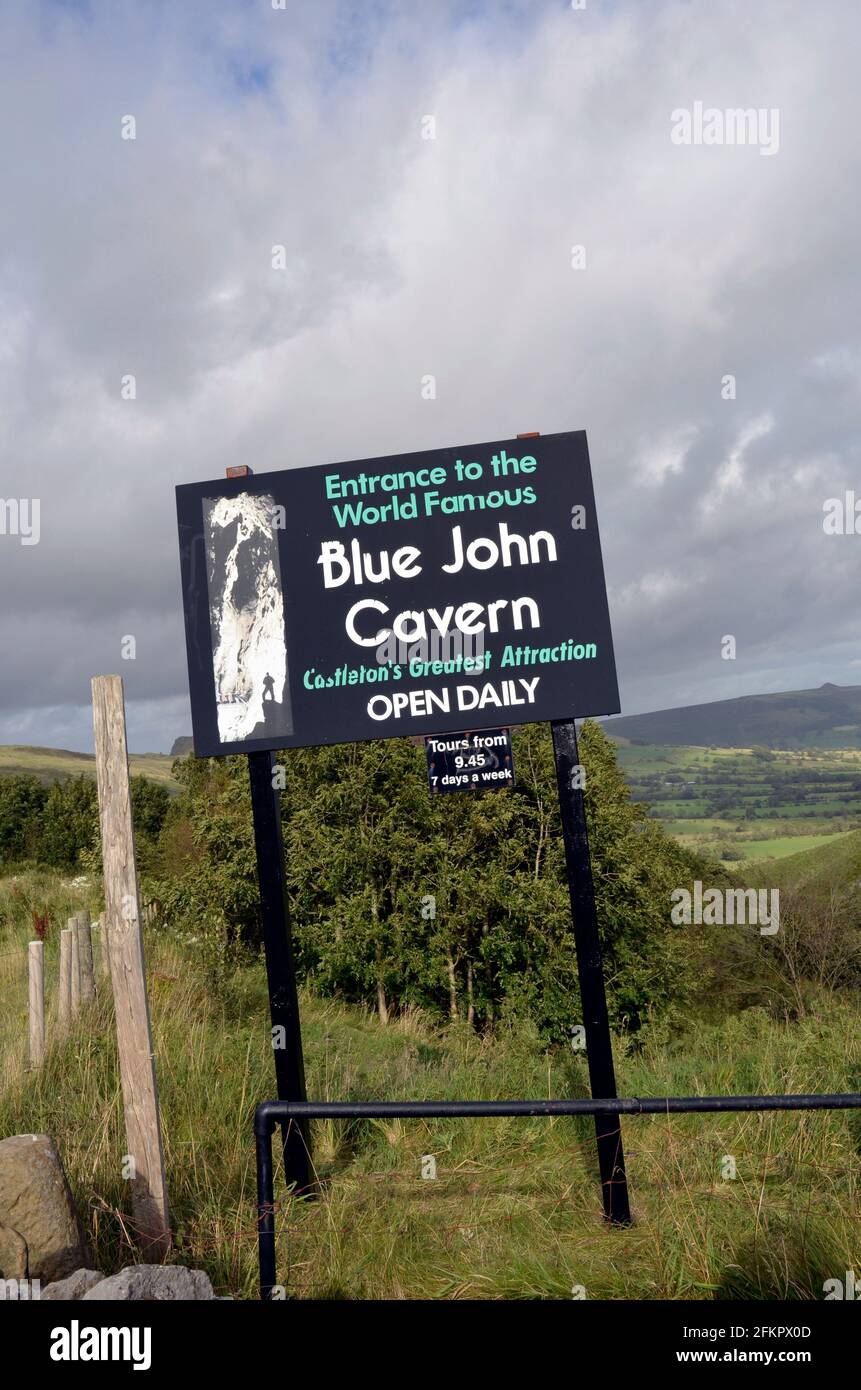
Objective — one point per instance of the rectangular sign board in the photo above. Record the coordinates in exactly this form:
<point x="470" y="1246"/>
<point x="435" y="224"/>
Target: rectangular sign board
<point x="395" y="596"/>
<point x="476" y="761"/>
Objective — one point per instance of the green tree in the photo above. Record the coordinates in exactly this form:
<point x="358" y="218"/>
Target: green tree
<point x="69" y="822"/>
<point x="22" y="800"/>
<point x="203" y="870"/>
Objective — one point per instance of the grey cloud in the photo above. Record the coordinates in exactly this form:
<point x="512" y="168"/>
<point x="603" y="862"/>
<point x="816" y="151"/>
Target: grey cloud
<point x="450" y="257"/>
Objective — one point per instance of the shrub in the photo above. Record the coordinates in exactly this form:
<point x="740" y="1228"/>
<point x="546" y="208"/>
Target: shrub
<point x="22" y="801"/>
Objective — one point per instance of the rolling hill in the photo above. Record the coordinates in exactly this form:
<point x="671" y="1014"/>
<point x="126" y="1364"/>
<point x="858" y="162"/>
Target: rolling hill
<point x="829" y="717"/>
<point x="59" y="764"/>
<point x="833" y="865"/>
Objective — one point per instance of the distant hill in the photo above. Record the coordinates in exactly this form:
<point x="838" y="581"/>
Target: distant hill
<point x="182" y="745"/>
<point x="829" y="717"/>
<point x="59" y="764"/>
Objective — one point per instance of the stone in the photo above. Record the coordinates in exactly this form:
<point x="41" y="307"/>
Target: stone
<point x="153" y="1283"/>
<point x="36" y="1203"/>
<point x="75" y="1286"/>
<point x="13" y="1254"/>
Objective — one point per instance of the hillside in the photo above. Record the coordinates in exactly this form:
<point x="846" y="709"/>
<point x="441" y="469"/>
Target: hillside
<point x="58" y="764"/>
<point x="829" y="717"/>
<point x="835" y="865"/>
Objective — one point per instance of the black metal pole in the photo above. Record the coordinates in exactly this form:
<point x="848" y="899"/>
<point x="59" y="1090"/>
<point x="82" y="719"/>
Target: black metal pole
<point x="280" y="966"/>
<point x="599" y="1048"/>
<point x="271" y="1111"/>
<point x="265" y="1206"/>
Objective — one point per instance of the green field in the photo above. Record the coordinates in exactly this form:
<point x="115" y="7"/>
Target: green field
<point x="787" y="845"/>
<point x="743" y="804"/>
<point x="58" y="764"/>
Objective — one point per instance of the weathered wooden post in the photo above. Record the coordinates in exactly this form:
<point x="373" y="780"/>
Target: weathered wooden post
<point x="64" y="993"/>
<point x="85" y="957"/>
<point x="75" y="986"/>
<point x="36" y="969"/>
<point x="131" y="1007"/>
<point x="104" y="960"/>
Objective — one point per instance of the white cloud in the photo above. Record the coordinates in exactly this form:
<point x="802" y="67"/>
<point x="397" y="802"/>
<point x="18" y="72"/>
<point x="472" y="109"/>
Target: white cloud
<point x="731" y="475"/>
<point x="658" y="461"/>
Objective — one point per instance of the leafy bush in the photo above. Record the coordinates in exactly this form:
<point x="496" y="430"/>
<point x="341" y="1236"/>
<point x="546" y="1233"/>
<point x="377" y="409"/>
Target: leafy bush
<point x="58" y="826"/>
<point x="22" y="801"/>
<point x="69" y="822"/>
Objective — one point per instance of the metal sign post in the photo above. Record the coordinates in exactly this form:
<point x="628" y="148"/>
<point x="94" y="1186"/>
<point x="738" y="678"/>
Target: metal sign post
<point x="280" y="965"/>
<point x="599" y="1047"/>
<point x="278" y="950"/>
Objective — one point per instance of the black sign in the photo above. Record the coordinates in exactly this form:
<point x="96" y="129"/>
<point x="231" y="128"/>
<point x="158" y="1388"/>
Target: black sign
<point x="395" y="596"/>
<point x="478" y="761"/>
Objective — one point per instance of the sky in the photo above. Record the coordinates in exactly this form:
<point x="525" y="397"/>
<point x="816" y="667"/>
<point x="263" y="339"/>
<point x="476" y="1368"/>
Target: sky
<point x="405" y="256"/>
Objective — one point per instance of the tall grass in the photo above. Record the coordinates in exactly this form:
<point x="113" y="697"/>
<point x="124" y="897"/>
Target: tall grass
<point x="514" y="1211"/>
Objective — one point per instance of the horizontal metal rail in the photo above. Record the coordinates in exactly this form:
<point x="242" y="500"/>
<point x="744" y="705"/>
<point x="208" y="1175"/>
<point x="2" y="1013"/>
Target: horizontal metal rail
<point x="273" y="1112"/>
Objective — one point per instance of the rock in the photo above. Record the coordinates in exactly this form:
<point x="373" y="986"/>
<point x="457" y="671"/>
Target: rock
<point x="36" y="1205"/>
<point x="13" y="1254"/>
<point x="75" y="1286"/>
<point x="153" y="1283"/>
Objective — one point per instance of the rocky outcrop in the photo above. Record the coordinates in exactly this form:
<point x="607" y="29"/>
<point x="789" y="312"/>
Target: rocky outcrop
<point x="40" y="1237"/>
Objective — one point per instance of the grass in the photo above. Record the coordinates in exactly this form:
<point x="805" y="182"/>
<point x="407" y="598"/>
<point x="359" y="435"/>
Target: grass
<point x="514" y="1211"/>
<point x="786" y="845"/>
<point x="58" y="764"/>
<point x="835" y="865"/>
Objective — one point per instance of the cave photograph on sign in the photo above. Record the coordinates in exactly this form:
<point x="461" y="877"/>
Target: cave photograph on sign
<point x="246" y="616"/>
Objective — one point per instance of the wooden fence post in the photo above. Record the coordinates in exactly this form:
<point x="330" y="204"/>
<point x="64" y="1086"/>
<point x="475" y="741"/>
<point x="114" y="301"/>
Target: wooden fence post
<point x="65" y="982"/>
<point x="85" y="956"/>
<point x="104" y="962"/>
<point x="36" y="968"/>
<point x="72" y="925"/>
<point x="131" y="1007"/>
<point x="106" y="948"/>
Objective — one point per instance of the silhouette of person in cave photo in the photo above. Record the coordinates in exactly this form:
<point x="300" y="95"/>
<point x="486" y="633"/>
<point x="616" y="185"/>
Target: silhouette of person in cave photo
<point x="268" y="687"/>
